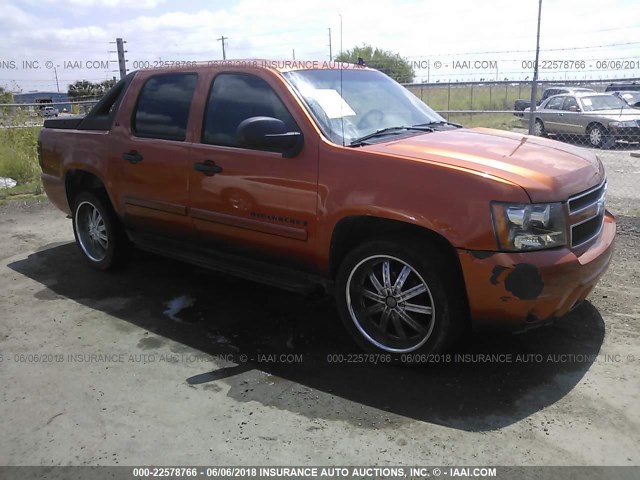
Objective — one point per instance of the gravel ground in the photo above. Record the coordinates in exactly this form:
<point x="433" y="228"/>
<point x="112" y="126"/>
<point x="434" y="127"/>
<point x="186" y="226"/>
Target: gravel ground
<point x="140" y="367"/>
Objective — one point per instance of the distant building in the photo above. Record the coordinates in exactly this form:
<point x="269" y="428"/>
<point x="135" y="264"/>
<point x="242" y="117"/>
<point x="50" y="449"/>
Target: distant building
<point x="45" y="98"/>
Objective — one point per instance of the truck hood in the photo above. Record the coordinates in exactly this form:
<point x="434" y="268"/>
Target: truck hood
<point x="549" y="171"/>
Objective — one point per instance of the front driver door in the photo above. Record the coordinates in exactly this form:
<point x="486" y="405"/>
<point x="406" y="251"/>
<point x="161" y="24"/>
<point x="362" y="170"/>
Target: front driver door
<point x="251" y="201"/>
<point x="569" y="116"/>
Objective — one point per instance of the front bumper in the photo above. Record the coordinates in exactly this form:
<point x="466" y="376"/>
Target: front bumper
<point x="516" y="291"/>
<point x="630" y="134"/>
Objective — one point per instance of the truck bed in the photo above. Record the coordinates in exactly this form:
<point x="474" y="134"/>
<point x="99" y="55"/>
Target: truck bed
<point x="66" y="123"/>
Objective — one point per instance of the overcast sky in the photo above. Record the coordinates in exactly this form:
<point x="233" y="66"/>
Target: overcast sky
<point x="444" y="33"/>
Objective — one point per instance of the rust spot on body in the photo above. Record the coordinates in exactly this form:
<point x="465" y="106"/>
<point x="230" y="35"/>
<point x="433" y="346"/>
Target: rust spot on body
<point x="497" y="270"/>
<point x="524" y="281"/>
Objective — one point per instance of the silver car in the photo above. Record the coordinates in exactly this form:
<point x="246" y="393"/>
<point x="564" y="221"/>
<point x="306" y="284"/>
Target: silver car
<point x="631" y="97"/>
<point x="602" y="117"/>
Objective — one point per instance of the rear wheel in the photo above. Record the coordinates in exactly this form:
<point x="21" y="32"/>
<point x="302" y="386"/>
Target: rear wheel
<point x="393" y="299"/>
<point x="98" y="232"/>
<point x="538" y="129"/>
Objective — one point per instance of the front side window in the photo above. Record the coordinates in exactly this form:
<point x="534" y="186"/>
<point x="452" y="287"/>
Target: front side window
<point x="163" y="106"/>
<point x="234" y="97"/>
<point x="555" y="103"/>
<point x="570" y="102"/>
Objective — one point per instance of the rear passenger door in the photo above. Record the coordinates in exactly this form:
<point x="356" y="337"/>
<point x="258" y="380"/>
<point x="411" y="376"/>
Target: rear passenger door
<point x="154" y="152"/>
<point x="256" y="201"/>
<point x="550" y="113"/>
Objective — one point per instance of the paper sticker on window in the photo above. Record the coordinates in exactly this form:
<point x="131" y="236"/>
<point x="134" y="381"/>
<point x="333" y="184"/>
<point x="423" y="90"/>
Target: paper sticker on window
<point x="587" y="101"/>
<point x="332" y="103"/>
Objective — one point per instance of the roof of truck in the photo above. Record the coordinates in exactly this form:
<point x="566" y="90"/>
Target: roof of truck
<point x="269" y="64"/>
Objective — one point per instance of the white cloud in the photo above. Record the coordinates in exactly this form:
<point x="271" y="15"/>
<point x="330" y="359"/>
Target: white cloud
<point x="92" y="4"/>
<point x="82" y="29"/>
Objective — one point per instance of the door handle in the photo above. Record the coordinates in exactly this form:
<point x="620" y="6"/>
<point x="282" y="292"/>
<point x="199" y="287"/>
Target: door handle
<point x="208" y="167"/>
<point x="132" y="156"/>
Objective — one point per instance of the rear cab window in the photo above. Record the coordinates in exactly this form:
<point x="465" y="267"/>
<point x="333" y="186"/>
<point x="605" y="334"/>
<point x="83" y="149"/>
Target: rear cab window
<point x="163" y="106"/>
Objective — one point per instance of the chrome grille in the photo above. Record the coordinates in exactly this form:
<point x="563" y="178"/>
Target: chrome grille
<point x="586" y="214"/>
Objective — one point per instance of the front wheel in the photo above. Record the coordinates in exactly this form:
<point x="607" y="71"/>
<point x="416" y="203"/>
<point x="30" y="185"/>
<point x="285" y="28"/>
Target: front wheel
<point x="394" y="298"/>
<point x="98" y="232"/>
<point x="597" y="135"/>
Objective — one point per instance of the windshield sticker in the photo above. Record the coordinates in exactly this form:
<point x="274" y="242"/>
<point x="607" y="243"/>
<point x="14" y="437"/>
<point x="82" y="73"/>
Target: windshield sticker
<point x="332" y="103"/>
<point x="587" y="101"/>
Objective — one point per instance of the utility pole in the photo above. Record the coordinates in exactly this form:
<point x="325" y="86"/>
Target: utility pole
<point x="330" y="53"/>
<point x="55" y="71"/>
<point x="122" y="62"/>
<point x="294" y="53"/>
<point x="223" y="39"/>
<point x="534" y="85"/>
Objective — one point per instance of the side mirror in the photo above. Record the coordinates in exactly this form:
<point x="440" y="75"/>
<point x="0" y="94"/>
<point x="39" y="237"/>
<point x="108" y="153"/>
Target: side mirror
<point x="270" y="134"/>
<point x="574" y="108"/>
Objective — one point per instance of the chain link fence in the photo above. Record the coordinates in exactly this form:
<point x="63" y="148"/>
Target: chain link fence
<point x="26" y="115"/>
<point x="599" y="114"/>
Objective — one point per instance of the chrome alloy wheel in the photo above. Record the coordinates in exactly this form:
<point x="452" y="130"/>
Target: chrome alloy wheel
<point x="538" y="129"/>
<point x="92" y="231"/>
<point x="596" y="136"/>
<point x="390" y="304"/>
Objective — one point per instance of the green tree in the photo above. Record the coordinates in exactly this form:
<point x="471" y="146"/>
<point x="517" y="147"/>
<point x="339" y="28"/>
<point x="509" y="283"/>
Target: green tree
<point x="84" y="89"/>
<point x="5" y="97"/>
<point x="388" y="62"/>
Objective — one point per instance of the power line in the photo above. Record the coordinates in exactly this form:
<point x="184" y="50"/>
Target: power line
<point x="527" y="51"/>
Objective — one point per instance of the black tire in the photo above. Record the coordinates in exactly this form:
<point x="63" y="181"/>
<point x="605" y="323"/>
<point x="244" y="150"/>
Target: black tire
<point x="98" y="232"/>
<point x="538" y="128"/>
<point x="597" y="135"/>
<point x="436" y="316"/>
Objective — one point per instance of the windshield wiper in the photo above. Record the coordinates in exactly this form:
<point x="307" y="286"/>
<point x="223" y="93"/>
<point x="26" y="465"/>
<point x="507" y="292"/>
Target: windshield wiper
<point x="439" y="122"/>
<point x="384" y="131"/>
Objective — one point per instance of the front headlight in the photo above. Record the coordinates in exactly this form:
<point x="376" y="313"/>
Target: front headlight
<point x="527" y="226"/>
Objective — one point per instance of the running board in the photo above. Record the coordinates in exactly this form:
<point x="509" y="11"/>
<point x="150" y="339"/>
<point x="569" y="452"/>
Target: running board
<point x="248" y="268"/>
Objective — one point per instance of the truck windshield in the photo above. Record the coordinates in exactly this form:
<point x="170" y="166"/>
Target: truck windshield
<point x="349" y="104"/>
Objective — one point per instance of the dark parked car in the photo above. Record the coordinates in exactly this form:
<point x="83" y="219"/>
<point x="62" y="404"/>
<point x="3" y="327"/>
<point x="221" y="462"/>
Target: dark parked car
<point x="631" y="97"/>
<point x="623" y="87"/>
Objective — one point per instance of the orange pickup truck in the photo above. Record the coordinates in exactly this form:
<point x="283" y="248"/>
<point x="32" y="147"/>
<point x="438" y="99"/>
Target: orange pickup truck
<point x="335" y="176"/>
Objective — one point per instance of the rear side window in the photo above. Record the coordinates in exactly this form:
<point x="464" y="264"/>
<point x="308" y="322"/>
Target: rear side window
<point x="163" y="106"/>
<point x="234" y="97"/>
